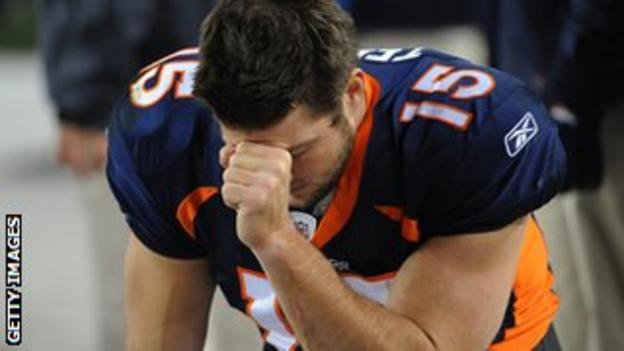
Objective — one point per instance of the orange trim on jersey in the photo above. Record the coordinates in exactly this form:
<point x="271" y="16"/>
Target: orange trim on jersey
<point x="392" y="212"/>
<point x="536" y="303"/>
<point x="187" y="210"/>
<point x="409" y="227"/>
<point x="410" y="230"/>
<point x="342" y="204"/>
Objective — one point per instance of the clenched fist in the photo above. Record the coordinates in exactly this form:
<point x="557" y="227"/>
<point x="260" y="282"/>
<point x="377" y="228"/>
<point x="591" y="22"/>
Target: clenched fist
<point x="256" y="183"/>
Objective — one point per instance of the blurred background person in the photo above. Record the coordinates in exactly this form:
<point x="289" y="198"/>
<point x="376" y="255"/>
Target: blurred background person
<point x="572" y="53"/>
<point x="91" y="50"/>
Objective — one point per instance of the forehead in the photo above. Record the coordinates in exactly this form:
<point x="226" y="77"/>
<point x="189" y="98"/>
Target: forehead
<point x="298" y="126"/>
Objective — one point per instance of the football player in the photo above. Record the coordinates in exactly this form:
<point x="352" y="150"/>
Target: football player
<point x="379" y="202"/>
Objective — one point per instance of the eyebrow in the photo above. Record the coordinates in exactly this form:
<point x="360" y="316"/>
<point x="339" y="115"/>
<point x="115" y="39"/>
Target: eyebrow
<point x="297" y="147"/>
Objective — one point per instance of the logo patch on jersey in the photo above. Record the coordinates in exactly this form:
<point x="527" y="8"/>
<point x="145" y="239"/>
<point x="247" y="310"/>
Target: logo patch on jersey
<point x="521" y="134"/>
<point x="305" y="223"/>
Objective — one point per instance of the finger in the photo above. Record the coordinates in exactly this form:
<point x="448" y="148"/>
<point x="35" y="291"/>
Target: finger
<point x="233" y="194"/>
<point x="225" y="154"/>
<point x="240" y="176"/>
<point x="263" y="150"/>
<point x="278" y="163"/>
<point x="248" y="162"/>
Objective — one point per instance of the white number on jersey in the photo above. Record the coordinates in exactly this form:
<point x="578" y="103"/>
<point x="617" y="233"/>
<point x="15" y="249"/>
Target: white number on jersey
<point x="448" y="80"/>
<point x="264" y="309"/>
<point x="389" y="55"/>
<point x="157" y="80"/>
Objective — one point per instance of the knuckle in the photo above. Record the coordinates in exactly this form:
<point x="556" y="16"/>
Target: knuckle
<point x="282" y="167"/>
<point x="232" y="174"/>
<point x="226" y="190"/>
<point x="271" y="182"/>
<point x="242" y="147"/>
<point x="287" y="157"/>
<point x="234" y="160"/>
<point x="285" y="169"/>
<point x="223" y="153"/>
<point x="227" y="175"/>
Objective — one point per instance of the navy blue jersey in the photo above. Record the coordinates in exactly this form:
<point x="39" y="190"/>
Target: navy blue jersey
<point x="446" y="148"/>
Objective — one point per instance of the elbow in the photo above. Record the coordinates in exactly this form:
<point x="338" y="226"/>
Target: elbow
<point x="413" y="338"/>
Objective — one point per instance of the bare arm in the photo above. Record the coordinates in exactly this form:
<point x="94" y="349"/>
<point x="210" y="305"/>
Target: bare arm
<point x="450" y="295"/>
<point x="167" y="301"/>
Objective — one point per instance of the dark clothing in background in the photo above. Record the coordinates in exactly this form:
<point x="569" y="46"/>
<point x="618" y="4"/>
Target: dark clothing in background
<point x="523" y="36"/>
<point x="577" y="46"/>
<point x="93" y="47"/>
<point x="572" y="53"/>
<point x="589" y="66"/>
<point x="404" y="14"/>
<point x="586" y="76"/>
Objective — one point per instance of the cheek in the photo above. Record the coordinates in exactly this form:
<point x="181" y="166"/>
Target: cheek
<point x="303" y="169"/>
<point x="311" y="167"/>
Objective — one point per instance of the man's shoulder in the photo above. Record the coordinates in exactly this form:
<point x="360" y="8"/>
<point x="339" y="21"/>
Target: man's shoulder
<point x="158" y="121"/>
<point x="441" y="99"/>
<point x="426" y="77"/>
<point x="472" y="142"/>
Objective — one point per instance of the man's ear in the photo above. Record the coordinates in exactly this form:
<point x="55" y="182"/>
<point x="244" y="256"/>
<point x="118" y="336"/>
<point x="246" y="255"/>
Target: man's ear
<point x="354" y="98"/>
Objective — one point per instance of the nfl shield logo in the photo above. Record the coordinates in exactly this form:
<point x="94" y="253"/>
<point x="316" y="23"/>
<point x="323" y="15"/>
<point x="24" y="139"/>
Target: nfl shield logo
<point x="305" y="223"/>
<point x="521" y="134"/>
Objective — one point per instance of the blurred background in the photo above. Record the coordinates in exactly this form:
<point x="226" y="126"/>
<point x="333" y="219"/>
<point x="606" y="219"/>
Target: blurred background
<point x="63" y="63"/>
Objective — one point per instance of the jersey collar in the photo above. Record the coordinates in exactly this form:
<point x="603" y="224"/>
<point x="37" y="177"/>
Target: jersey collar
<point x="343" y="202"/>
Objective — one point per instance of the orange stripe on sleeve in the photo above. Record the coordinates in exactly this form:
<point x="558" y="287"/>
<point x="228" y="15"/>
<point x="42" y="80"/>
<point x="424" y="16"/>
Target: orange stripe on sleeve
<point x="409" y="230"/>
<point x="394" y="213"/>
<point x="409" y="227"/>
<point x="187" y="210"/>
<point x="536" y="303"/>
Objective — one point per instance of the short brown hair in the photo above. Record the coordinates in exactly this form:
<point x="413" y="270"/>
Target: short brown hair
<point x="261" y="58"/>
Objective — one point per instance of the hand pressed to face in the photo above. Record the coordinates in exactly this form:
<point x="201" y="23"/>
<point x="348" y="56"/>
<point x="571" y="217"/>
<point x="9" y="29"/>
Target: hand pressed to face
<point x="293" y="164"/>
<point x="256" y="183"/>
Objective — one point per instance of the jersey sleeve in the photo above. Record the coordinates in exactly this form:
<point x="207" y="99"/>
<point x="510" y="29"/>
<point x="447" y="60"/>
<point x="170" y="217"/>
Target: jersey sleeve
<point x="148" y="205"/>
<point x="506" y="164"/>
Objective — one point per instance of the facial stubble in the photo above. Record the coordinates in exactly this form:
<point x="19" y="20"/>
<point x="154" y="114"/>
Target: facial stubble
<point x="347" y="137"/>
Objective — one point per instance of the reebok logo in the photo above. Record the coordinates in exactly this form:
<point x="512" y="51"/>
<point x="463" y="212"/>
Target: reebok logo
<point x="520" y="135"/>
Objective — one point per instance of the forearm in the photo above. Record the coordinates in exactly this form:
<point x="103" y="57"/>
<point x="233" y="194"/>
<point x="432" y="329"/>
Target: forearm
<point x="324" y="313"/>
<point x="167" y="301"/>
<point x="167" y="320"/>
